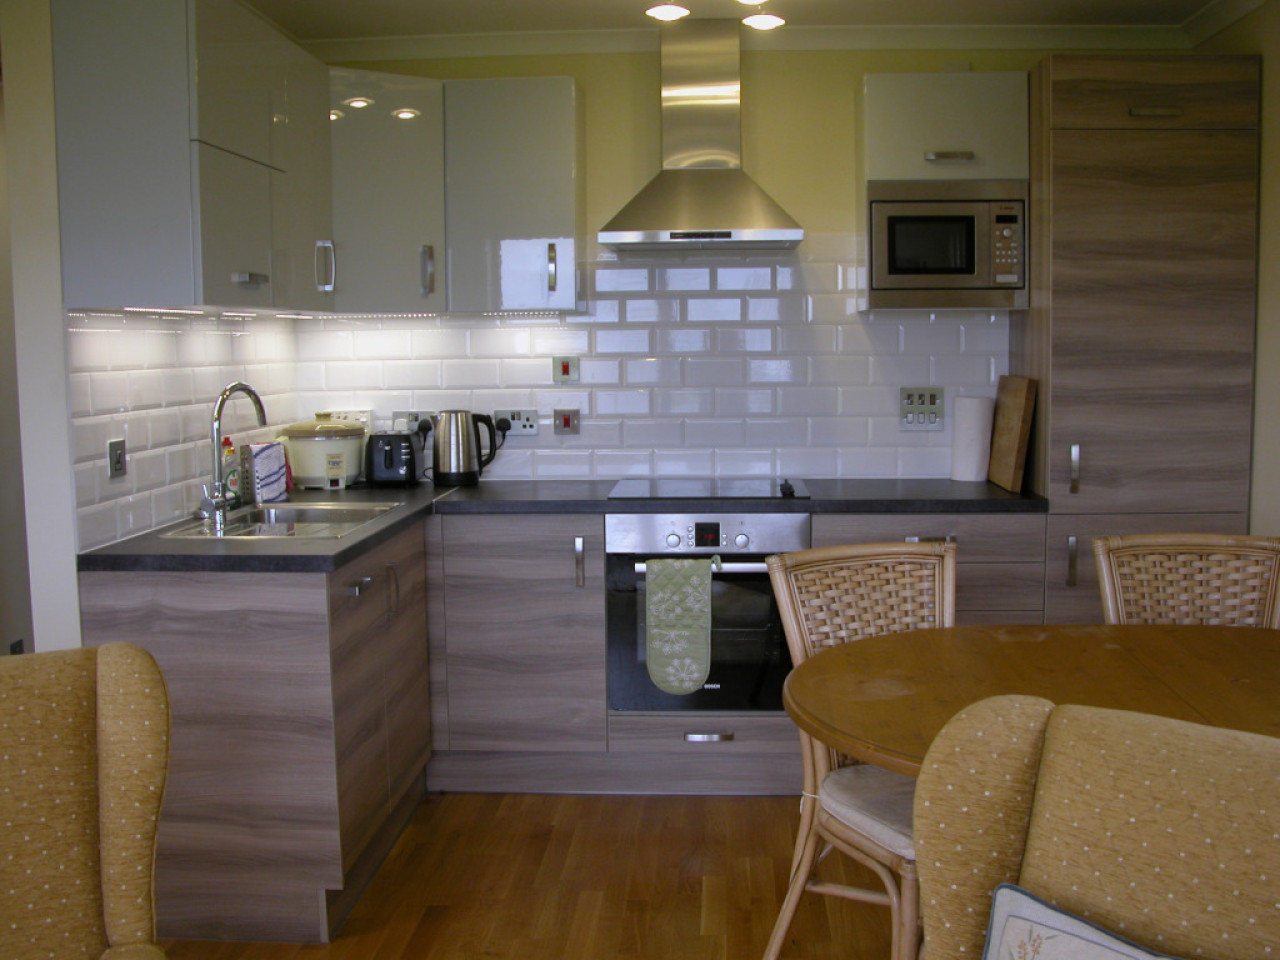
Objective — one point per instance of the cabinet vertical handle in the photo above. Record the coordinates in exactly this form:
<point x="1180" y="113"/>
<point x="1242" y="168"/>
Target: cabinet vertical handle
<point x="551" y="268"/>
<point x="427" y="269"/>
<point x="326" y="266"/>
<point x="393" y="595"/>
<point x="1073" y="560"/>
<point x="1075" y="468"/>
<point x="579" y="562"/>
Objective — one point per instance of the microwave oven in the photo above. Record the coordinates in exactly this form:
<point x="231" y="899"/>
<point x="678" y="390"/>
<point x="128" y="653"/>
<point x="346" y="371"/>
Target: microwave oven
<point x="936" y="244"/>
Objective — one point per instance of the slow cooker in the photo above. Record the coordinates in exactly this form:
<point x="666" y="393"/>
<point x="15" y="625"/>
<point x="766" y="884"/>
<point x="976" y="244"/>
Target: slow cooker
<point x="324" y="453"/>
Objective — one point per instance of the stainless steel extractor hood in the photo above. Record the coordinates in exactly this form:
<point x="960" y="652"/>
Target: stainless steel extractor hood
<point x="702" y="198"/>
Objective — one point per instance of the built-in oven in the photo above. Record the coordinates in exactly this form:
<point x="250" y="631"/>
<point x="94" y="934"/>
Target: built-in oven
<point x="748" y="651"/>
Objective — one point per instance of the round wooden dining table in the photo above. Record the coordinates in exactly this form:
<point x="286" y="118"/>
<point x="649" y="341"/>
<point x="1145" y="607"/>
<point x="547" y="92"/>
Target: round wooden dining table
<point x="883" y="699"/>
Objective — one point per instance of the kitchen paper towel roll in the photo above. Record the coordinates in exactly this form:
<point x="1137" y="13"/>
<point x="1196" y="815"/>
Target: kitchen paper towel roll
<point x="971" y="419"/>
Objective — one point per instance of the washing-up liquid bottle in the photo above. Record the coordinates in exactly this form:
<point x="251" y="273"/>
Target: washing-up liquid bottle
<point x="231" y="472"/>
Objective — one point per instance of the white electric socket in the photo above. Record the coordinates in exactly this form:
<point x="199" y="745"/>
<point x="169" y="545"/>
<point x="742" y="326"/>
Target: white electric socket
<point x="411" y="417"/>
<point x="524" y="423"/>
<point x="921" y="408"/>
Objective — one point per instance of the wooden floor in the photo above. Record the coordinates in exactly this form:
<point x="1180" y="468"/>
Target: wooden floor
<point x="587" y="878"/>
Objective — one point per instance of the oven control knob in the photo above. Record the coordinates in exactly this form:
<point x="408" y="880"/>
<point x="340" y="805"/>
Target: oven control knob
<point x="741" y="541"/>
<point x="673" y="539"/>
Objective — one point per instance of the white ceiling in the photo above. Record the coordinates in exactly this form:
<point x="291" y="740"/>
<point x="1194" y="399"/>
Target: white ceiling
<point x="322" y="21"/>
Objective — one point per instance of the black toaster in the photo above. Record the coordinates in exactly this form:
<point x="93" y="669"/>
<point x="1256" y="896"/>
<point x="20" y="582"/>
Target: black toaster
<point x="394" y="458"/>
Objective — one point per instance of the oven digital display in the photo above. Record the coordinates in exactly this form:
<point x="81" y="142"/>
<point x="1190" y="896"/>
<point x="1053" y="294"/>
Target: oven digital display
<point x="706" y="534"/>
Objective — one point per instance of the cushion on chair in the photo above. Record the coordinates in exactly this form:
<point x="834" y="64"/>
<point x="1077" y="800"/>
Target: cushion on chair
<point x="50" y="898"/>
<point x="1023" y="926"/>
<point x="1160" y="830"/>
<point x="874" y="801"/>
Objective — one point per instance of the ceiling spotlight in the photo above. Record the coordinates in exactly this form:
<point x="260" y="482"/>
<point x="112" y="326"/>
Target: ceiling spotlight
<point x="359" y="103"/>
<point x="763" y="21"/>
<point x="336" y="114"/>
<point x="752" y="3"/>
<point x="405" y="113"/>
<point x="667" y="11"/>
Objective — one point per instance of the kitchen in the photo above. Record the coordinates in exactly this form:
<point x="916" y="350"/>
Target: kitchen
<point x="495" y="365"/>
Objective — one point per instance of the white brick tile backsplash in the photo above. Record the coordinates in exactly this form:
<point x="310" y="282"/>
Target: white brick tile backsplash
<point x="713" y="363"/>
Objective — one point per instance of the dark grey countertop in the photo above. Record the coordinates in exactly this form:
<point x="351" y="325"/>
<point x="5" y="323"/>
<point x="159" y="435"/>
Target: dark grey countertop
<point x="152" y="551"/>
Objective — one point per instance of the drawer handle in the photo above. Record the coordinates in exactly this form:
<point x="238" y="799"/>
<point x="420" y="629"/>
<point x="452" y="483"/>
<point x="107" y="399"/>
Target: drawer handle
<point x="360" y="586"/>
<point x="579" y="562"/>
<point x="948" y="538"/>
<point x="721" y="737"/>
<point x="248" y="278"/>
<point x="934" y="156"/>
<point x="1155" y="111"/>
<point x="1073" y="560"/>
<point x="1075" y="468"/>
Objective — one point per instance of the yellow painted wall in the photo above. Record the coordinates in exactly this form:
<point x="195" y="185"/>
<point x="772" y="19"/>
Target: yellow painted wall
<point x="799" y="119"/>
<point x="1260" y="33"/>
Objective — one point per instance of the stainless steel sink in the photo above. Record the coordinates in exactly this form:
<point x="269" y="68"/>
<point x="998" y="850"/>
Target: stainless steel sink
<point x="287" y="520"/>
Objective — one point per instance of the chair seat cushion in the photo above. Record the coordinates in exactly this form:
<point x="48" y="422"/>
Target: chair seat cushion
<point x="875" y="802"/>
<point x="1026" y="926"/>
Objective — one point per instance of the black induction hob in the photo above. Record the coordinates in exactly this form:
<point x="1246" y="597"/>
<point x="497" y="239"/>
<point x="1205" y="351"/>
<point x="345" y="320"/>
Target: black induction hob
<point x="688" y="488"/>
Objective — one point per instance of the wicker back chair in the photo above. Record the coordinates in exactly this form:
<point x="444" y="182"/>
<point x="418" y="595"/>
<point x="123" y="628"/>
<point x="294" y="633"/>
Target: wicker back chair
<point x="833" y="595"/>
<point x="1189" y="578"/>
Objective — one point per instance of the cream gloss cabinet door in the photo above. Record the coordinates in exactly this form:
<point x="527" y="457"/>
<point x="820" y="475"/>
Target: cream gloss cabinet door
<point x="512" y="183"/>
<point x="388" y="192"/>
<point x="946" y="126"/>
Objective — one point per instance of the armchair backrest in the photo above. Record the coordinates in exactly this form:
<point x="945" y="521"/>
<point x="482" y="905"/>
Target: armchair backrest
<point x="85" y="741"/>
<point x="1162" y="831"/>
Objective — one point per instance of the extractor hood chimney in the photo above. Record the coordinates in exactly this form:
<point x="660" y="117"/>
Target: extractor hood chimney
<point x="701" y="199"/>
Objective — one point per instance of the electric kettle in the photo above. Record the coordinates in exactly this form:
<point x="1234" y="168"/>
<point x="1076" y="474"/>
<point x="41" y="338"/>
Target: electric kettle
<point x="456" y="447"/>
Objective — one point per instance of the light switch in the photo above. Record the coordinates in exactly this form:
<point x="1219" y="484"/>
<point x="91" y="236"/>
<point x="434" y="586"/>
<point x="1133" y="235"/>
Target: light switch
<point x="564" y="369"/>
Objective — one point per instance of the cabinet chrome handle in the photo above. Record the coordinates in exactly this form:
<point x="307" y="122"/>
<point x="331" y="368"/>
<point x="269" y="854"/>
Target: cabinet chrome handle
<point x="722" y="737"/>
<point x="393" y="595"/>
<point x="947" y="538"/>
<point x="360" y="586"/>
<point x="325" y="255"/>
<point x="1075" y="468"/>
<point x="1155" y="111"/>
<point x="579" y="562"/>
<point x="933" y="156"/>
<point x="249" y="278"/>
<point x="1073" y="560"/>
<point x="551" y="268"/>
<point x="427" y="269"/>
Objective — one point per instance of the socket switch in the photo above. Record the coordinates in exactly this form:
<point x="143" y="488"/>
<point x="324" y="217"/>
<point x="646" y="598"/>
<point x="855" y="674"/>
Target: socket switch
<point x="566" y="421"/>
<point x="921" y="408"/>
<point x="564" y="369"/>
<point x="524" y="423"/>
<point x="117" y="461"/>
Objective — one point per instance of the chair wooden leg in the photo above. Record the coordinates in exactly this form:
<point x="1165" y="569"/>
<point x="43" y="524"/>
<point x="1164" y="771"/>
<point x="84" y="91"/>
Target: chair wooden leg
<point x="808" y="815"/>
<point x="907" y="942"/>
<point x="801" y="866"/>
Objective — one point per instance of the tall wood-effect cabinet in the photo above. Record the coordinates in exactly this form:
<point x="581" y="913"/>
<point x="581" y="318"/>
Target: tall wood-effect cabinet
<point x="193" y="156"/>
<point x="1141" y="329"/>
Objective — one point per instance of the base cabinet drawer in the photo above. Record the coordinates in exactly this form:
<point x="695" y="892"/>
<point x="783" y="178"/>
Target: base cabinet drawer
<point x="702" y="733"/>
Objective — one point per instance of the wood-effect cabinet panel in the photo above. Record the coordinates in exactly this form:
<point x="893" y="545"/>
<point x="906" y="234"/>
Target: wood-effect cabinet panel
<point x="999" y="557"/>
<point x="1172" y="91"/>
<point x="524" y="632"/>
<point x="1071" y="591"/>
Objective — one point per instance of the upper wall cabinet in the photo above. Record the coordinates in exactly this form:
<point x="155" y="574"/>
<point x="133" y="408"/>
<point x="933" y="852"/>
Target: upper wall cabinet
<point x="945" y="126"/>
<point x="388" y="192"/>
<point x="186" y="156"/>
<point x="513" y="178"/>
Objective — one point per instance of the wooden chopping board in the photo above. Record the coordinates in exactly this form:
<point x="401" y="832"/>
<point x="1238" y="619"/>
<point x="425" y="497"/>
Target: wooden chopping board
<point x="1015" y="402"/>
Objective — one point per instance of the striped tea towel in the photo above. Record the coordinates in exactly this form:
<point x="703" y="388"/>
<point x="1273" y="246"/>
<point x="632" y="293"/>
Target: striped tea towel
<point x="678" y="614"/>
<point x="268" y="473"/>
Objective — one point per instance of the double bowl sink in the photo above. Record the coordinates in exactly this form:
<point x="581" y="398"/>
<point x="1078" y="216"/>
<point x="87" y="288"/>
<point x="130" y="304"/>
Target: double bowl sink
<point x="313" y="521"/>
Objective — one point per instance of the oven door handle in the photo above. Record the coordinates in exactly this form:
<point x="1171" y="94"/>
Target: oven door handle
<point x="725" y="567"/>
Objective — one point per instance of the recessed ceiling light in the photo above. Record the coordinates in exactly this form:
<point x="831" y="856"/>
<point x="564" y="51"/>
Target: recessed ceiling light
<point x="405" y="113"/>
<point x="336" y="114"/>
<point x="763" y="21"/>
<point x="667" y="11"/>
<point x="752" y="3"/>
<point x="359" y="103"/>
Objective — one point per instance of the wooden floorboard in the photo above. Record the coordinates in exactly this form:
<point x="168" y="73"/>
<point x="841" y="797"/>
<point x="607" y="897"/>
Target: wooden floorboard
<point x="553" y="877"/>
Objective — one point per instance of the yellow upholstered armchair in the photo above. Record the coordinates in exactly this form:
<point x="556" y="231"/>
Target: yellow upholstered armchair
<point x="84" y="748"/>
<point x="1161" y="832"/>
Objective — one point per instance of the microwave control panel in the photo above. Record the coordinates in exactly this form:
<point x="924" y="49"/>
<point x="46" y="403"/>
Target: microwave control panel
<point x="1008" y="245"/>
